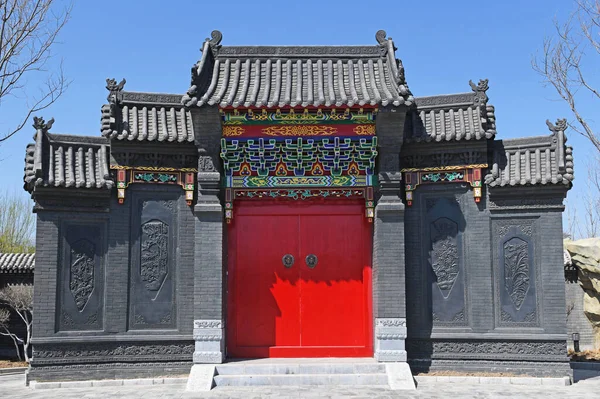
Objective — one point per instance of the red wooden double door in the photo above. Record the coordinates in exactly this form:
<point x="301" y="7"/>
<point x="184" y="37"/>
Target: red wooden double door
<point x="299" y="280"/>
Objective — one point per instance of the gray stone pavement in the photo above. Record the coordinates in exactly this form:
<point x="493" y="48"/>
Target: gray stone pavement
<point x="13" y="387"/>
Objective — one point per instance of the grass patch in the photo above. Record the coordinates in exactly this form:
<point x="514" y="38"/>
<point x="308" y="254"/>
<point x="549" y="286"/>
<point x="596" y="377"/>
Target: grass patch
<point x="585" y="356"/>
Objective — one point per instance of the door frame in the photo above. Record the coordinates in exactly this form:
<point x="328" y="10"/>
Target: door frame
<point x="272" y="207"/>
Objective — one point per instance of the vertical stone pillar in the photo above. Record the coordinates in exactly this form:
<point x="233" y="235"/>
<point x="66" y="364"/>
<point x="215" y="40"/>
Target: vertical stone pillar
<point x="208" y="255"/>
<point x="389" y="291"/>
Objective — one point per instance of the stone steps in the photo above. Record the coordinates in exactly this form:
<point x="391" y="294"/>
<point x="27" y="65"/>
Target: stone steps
<point x="300" y="380"/>
<point x="300" y="374"/>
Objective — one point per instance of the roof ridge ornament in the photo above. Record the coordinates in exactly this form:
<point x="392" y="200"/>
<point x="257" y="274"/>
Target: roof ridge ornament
<point x="480" y="89"/>
<point x="559" y="139"/>
<point x="41" y="124"/>
<point x="381" y="37"/>
<point x="559" y="126"/>
<point x="114" y="89"/>
<point x="41" y="129"/>
<point x="215" y="40"/>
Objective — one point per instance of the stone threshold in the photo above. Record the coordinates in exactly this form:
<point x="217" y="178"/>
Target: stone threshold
<point x="552" y="381"/>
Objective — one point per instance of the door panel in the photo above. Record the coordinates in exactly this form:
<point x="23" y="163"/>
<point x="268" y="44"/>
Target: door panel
<point x="275" y="311"/>
<point x="332" y="306"/>
<point x="265" y="294"/>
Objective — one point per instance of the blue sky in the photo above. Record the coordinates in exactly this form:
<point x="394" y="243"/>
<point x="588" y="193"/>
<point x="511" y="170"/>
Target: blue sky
<point x="442" y="44"/>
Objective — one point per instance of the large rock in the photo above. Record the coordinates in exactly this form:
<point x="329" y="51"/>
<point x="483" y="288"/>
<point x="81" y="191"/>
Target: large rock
<point x="585" y="255"/>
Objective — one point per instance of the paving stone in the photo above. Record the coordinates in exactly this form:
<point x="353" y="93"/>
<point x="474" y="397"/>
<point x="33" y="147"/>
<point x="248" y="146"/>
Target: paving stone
<point x="106" y="383"/>
<point x="138" y="381"/>
<point x="525" y="381"/>
<point x="76" y="384"/>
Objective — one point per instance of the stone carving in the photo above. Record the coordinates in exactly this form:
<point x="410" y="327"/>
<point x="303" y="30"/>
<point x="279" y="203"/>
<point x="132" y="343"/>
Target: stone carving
<point x="139" y="319"/>
<point x="81" y="281"/>
<point x="526" y="227"/>
<point x="166" y="319"/>
<point x="92" y="319"/>
<point x="457" y="318"/>
<point x="486" y="348"/>
<point x="205" y="164"/>
<point x="454" y="99"/>
<point x="208" y="324"/>
<point x="444" y="254"/>
<point x="152" y="98"/>
<point x="523" y="203"/>
<point x="154" y="254"/>
<point x="391" y="322"/>
<point x="170" y="205"/>
<point x="108" y="350"/>
<point x="529" y="317"/>
<point x="516" y="270"/>
<point x="67" y="320"/>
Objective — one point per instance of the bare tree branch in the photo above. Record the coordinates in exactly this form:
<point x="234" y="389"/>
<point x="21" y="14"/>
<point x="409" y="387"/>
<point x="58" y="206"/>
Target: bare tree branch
<point x="564" y="58"/>
<point x="19" y="298"/>
<point x="28" y="31"/>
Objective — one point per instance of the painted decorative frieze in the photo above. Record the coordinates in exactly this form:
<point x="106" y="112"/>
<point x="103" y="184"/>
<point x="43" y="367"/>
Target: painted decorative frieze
<point x="299" y="169"/>
<point x="471" y="174"/>
<point x="156" y="175"/>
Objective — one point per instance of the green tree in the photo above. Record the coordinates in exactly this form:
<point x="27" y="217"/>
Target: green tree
<point x="17" y="224"/>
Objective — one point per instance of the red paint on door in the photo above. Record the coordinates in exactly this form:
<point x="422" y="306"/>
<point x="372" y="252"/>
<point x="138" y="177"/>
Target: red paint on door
<point x="275" y="311"/>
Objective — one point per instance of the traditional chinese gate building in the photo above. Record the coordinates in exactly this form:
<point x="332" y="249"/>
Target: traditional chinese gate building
<point x="297" y="202"/>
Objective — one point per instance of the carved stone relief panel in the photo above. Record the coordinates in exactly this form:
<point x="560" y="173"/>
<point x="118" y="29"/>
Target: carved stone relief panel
<point x="153" y="243"/>
<point x="443" y="228"/>
<point x="515" y="272"/>
<point x="81" y="276"/>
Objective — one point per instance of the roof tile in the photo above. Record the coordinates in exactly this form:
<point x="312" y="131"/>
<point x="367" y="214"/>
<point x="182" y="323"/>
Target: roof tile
<point x="17" y="262"/>
<point x="278" y="76"/>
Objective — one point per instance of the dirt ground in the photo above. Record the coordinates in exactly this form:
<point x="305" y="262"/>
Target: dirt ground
<point x="6" y="364"/>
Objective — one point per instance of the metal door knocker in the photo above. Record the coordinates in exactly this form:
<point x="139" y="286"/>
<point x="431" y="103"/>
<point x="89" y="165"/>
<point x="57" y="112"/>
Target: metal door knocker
<point x="311" y="261"/>
<point x="288" y="260"/>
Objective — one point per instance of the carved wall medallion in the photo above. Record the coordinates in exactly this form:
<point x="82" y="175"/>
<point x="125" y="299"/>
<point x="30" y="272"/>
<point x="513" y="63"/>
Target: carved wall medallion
<point x="154" y="254"/>
<point x="516" y="270"/>
<point x="444" y="254"/>
<point x="205" y="164"/>
<point x="81" y="282"/>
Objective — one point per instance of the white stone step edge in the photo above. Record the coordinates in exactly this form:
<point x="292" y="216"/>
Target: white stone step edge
<point x="108" y="383"/>
<point x="553" y="381"/>
<point x="560" y="381"/>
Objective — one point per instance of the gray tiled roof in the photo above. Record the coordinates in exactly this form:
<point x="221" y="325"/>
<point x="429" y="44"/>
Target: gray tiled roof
<point x="542" y="160"/>
<point x="277" y="76"/>
<point x="147" y="117"/>
<point x="17" y="263"/>
<point x="66" y="161"/>
<point x="463" y="116"/>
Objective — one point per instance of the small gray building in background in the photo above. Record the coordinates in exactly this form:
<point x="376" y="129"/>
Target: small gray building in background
<point x="143" y="264"/>
<point x="15" y="268"/>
